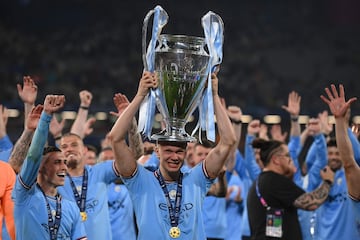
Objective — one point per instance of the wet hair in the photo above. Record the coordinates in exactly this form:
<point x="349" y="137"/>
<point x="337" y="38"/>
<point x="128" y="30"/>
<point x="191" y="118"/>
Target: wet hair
<point x="267" y="148"/>
<point x="331" y="142"/>
<point x="50" y="149"/>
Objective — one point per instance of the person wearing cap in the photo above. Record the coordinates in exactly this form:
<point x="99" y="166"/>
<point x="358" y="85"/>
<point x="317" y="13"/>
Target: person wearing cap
<point x="168" y="202"/>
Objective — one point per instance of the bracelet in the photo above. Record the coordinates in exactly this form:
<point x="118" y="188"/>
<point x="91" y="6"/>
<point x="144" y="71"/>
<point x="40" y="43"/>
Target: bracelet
<point x="237" y="122"/>
<point x="85" y="108"/>
<point x="58" y="138"/>
<point x="294" y="119"/>
<point x="328" y="182"/>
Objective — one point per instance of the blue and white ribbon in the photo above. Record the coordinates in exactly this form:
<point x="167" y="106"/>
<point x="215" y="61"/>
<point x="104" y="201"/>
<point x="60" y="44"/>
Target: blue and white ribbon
<point x="147" y="108"/>
<point x="214" y="36"/>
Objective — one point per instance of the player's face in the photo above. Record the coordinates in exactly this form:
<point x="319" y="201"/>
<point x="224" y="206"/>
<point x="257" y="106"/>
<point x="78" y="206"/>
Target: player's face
<point x="171" y="157"/>
<point x="285" y="162"/>
<point x="200" y="153"/>
<point x="73" y="149"/>
<point x="90" y="158"/>
<point x="106" y="155"/>
<point x="334" y="160"/>
<point x="53" y="170"/>
<point x="190" y="154"/>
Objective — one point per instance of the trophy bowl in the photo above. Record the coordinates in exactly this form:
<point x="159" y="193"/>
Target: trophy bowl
<point x="181" y="65"/>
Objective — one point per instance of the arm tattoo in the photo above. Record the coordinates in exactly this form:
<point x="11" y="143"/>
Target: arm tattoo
<point x="312" y="200"/>
<point x="135" y="140"/>
<point x="20" y="150"/>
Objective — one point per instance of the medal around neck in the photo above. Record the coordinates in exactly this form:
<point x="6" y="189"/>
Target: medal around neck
<point x="83" y="216"/>
<point x="183" y="66"/>
<point x="174" y="232"/>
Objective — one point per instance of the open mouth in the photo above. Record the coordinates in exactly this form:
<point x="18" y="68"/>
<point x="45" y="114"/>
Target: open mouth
<point x="174" y="163"/>
<point x="70" y="155"/>
<point x="61" y="174"/>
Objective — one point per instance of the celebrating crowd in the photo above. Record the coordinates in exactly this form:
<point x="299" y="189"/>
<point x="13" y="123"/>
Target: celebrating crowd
<point x="53" y="186"/>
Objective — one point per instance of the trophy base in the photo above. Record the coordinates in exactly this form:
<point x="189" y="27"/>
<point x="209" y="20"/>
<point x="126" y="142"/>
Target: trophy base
<point x="175" y="136"/>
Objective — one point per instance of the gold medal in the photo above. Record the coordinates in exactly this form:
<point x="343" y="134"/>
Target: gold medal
<point x="174" y="232"/>
<point x="83" y="216"/>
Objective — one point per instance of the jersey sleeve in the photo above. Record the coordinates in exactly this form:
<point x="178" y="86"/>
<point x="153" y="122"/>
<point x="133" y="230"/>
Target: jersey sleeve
<point x="30" y="168"/>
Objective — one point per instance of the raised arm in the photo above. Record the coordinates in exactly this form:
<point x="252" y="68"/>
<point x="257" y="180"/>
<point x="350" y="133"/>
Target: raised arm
<point x="56" y="129"/>
<point x="339" y="108"/>
<point x="22" y="145"/>
<point x="235" y="114"/>
<point x="135" y="141"/>
<point x="355" y="145"/>
<point x="251" y="165"/>
<point x="215" y="160"/>
<point x="28" y="94"/>
<point x="263" y="131"/>
<point x="317" y="151"/>
<point x="29" y="170"/>
<point x="326" y="126"/>
<point x="81" y="125"/>
<point x="293" y="108"/>
<point x="125" y="161"/>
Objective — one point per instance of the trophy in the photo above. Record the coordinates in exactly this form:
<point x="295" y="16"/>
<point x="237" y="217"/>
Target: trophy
<point x="181" y="64"/>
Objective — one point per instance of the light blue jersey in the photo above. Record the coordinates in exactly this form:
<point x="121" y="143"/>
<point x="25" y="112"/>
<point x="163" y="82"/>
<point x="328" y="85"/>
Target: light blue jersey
<point x="30" y="212"/>
<point x="246" y="167"/>
<point x="355" y="208"/>
<point x="337" y="218"/>
<point x="97" y="225"/>
<point x="121" y="212"/>
<point x="152" y="214"/>
<point x="31" y="216"/>
<point x="234" y="209"/>
<point x="317" y="155"/>
<point x="6" y="147"/>
<point x="214" y="214"/>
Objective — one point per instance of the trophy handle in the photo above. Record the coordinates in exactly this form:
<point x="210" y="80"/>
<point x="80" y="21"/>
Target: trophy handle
<point x="160" y="20"/>
<point x="144" y="34"/>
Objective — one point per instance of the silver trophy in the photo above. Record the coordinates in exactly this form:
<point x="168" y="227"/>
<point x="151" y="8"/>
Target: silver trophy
<point x="182" y="66"/>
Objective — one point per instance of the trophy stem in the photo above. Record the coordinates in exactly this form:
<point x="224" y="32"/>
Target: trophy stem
<point x="174" y="132"/>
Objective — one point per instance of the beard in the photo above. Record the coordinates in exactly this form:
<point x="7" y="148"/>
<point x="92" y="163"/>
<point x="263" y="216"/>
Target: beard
<point x="72" y="163"/>
<point x="335" y="164"/>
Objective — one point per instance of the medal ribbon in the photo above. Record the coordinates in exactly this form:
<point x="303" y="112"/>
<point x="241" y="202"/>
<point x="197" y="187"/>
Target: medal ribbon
<point x="53" y="225"/>
<point x="262" y="200"/>
<point x="80" y="200"/>
<point x="174" y="213"/>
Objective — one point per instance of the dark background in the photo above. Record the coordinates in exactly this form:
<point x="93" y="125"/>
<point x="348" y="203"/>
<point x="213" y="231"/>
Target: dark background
<point x="271" y="47"/>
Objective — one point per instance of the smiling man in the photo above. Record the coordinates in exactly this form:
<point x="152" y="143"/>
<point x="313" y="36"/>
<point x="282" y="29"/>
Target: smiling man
<point x="167" y="202"/>
<point x="87" y="186"/>
<point x="40" y="211"/>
